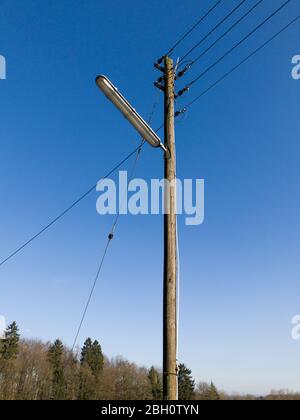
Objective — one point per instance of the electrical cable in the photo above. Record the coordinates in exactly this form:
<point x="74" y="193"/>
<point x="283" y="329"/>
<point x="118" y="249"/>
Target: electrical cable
<point x="226" y="33"/>
<point x="111" y="235"/>
<point x="242" y="62"/>
<point x="217" y="82"/>
<point x="213" y="30"/>
<point x="92" y="291"/>
<point x="193" y="27"/>
<point x="109" y="240"/>
<point x="62" y="214"/>
<point x="239" y="43"/>
<point x="56" y="219"/>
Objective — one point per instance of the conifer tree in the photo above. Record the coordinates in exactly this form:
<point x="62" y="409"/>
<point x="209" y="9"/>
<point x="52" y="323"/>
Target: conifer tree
<point x="92" y="356"/>
<point x="156" y="385"/>
<point x="91" y="367"/>
<point x="55" y="357"/>
<point x="10" y="344"/>
<point x="186" y="384"/>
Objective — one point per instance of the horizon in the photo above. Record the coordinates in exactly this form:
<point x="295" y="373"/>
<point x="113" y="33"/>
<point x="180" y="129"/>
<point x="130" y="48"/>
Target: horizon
<point x="118" y="357"/>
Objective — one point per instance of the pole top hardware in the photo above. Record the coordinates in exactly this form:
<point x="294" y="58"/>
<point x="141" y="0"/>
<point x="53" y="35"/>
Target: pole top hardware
<point x="159" y="67"/>
<point x="159" y="86"/>
<point x="180" y="112"/>
<point x="183" y="71"/>
<point x="182" y="91"/>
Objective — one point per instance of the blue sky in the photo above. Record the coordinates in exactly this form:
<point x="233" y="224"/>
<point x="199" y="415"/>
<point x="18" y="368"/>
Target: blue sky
<point x="239" y="270"/>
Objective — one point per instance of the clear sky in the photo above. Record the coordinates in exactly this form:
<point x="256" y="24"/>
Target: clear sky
<point x="239" y="271"/>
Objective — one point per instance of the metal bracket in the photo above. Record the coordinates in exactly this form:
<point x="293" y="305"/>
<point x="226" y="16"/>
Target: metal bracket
<point x="167" y="153"/>
<point x="159" y="86"/>
<point x="159" y="67"/>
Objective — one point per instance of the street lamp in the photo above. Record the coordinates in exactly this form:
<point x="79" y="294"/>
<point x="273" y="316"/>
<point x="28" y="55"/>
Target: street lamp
<point x="112" y="93"/>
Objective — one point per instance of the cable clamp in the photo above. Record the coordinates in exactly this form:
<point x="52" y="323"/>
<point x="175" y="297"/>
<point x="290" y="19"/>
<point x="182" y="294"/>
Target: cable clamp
<point x="170" y="374"/>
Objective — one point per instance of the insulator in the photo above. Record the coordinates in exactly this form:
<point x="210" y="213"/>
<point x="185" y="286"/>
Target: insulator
<point x="180" y="112"/>
<point x="181" y="92"/>
<point x="182" y="72"/>
<point x="159" y="86"/>
<point x="161" y="59"/>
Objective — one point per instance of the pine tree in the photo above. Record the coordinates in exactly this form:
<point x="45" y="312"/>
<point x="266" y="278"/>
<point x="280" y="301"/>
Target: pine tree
<point x="92" y="356"/>
<point x="55" y="357"/>
<point x="10" y="344"/>
<point x="156" y="385"/>
<point x="186" y="384"/>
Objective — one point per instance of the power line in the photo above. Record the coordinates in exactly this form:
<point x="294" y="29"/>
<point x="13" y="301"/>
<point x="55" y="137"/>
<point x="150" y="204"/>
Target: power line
<point x="213" y="30"/>
<point x="109" y="240"/>
<point x="67" y="209"/>
<point x="56" y="219"/>
<point x="242" y="62"/>
<point x="194" y="26"/>
<point x="112" y="231"/>
<point x="92" y="291"/>
<point x="227" y="32"/>
<point x="239" y="43"/>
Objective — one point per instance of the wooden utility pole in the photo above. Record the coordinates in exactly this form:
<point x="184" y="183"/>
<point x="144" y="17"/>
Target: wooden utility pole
<point x="170" y="379"/>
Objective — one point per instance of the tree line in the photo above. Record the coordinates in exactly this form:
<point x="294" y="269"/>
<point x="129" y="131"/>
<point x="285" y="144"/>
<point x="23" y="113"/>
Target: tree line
<point x="33" y="370"/>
